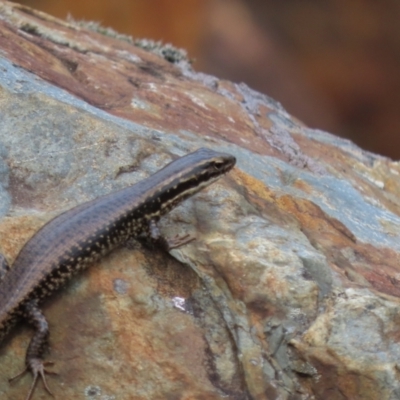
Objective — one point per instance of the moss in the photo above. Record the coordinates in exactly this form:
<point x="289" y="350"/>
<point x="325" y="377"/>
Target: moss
<point x="167" y="51"/>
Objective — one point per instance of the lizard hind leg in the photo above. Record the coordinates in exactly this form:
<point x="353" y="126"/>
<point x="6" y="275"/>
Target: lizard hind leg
<point x="36" y="348"/>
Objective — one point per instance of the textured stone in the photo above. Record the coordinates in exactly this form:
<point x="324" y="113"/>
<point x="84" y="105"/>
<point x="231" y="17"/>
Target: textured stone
<point x="290" y="290"/>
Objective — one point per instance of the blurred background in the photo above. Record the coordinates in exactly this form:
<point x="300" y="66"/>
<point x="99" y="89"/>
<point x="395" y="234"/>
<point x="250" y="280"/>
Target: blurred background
<point x="334" y="64"/>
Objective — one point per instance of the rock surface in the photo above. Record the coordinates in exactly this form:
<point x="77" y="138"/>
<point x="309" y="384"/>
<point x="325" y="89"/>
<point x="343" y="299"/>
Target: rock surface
<point x="291" y="289"/>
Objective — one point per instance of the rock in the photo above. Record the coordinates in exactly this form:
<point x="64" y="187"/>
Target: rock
<point x="290" y="290"/>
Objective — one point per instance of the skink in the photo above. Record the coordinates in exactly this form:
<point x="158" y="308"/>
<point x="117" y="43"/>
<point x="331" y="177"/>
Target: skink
<point x="80" y="236"/>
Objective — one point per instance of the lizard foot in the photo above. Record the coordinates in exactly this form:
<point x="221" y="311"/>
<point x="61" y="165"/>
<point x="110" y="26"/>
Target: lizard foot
<point x="178" y="241"/>
<point x="37" y="367"/>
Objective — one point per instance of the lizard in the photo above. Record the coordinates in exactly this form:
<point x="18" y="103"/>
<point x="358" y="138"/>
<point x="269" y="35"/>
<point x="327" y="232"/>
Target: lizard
<point x="78" y="237"/>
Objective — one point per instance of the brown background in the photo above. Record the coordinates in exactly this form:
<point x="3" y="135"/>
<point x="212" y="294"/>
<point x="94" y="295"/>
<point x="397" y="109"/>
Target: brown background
<point x="334" y="64"/>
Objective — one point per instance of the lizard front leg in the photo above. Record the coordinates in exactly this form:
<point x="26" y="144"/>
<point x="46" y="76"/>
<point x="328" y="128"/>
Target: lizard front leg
<point x="166" y="244"/>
